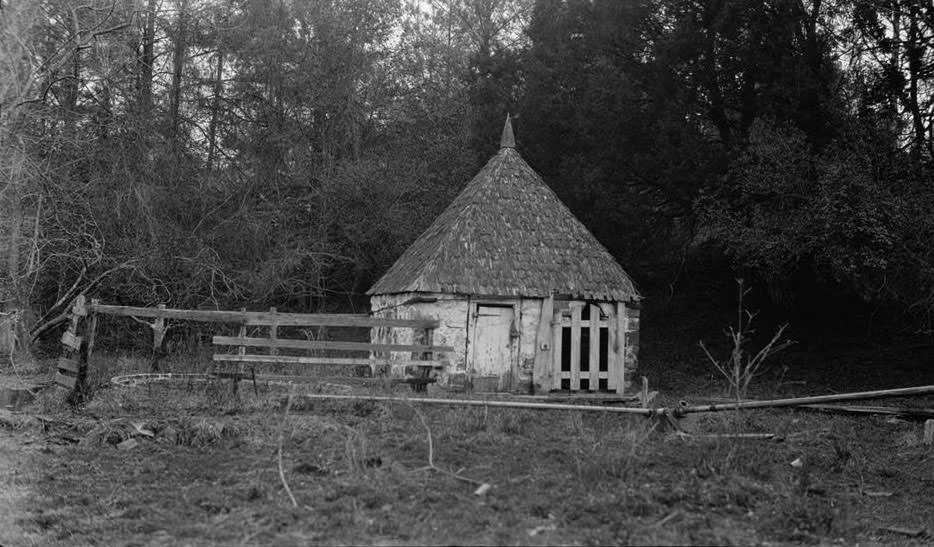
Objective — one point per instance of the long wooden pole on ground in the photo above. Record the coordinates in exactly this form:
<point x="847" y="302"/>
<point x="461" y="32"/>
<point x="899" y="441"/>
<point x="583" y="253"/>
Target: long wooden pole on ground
<point x="776" y="403"/>
<point x="801" y="401"/>
<point x="479" y="402"/>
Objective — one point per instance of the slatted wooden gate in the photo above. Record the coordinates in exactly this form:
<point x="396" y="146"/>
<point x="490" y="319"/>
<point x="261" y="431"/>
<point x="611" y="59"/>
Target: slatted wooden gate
<point x="590" y="346"/>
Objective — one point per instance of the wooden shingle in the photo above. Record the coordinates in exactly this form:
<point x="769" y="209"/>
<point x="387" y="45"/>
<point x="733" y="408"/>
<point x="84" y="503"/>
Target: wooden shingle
<point x="508" y="234"/>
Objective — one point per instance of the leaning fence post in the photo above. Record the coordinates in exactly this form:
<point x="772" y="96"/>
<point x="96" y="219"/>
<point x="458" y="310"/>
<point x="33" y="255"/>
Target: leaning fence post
<point x="69" y="374"/>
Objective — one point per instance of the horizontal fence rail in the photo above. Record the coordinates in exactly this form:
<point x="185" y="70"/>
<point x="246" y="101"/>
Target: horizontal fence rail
<point x="298" y="360"/>
<point x="323" y="344"/>
<point x="424" y="358"/>
<point x="266" y="318"/>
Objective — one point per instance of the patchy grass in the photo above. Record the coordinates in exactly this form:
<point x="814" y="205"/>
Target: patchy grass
<point x="202" y="469"/>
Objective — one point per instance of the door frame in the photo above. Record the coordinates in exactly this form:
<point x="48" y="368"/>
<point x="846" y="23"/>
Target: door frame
<point x="515" y="341"/>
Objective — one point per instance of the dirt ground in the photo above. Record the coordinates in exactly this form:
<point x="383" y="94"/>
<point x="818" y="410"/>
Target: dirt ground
<point x="13" y="492"/>
<point x="191" y="463"/>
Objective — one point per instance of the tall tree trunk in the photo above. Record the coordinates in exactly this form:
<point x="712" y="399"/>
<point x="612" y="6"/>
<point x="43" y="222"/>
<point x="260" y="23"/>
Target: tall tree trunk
<point x="178" y="66"/>
<point x="717" y="102"/>
<point x="14" y="301"/>
<point x="914" y="53"/>
<point x="215" y="108"/>
<point x="896" y="50"/>
<point x="147" y="59"/>
<point x="70" y="88"/>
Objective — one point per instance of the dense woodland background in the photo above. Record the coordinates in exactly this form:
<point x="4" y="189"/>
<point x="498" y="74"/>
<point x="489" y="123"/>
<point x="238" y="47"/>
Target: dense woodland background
<point x="228" y="153"/>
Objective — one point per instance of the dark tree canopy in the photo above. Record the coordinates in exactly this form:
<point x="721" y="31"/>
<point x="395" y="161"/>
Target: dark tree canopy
<point x="209" y="153"/>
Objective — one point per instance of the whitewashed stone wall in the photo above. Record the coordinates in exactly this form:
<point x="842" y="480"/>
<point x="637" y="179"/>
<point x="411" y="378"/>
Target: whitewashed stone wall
<point x="451" y="313"/>
<point x="455" y="315"/>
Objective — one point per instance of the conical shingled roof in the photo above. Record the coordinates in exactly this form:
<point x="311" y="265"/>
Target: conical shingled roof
<point x="508" y="234"/>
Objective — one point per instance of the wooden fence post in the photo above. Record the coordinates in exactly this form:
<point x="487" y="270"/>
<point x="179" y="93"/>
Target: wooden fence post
<point x="158" y="335"/>
<point x="576" y="309"/>
<point x="91" y="328"/>
<point x="622" y="352"/>
<point x="69" y="368"/>
<point x="543" y="371"/>
<point x="273" y="333"/>
<point x="594" y="358"/>
<point x="241" y="350"/>
<point x="87" y="348"/>
<point x="427" y="339"/>
<point x="633" y="310"/>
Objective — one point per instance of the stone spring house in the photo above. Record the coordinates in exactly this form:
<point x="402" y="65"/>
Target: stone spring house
<point x="526" y="295"/>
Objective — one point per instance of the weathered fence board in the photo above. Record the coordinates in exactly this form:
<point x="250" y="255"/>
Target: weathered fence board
<point x="593" y="384"/>
<point x="252" y="318"/>
<point x="71" y="340"/>
<point x="323" y="344"/>
<point x="66" y="381"/>
<point x="71" y="365"/>
<point x="576" y="346"/>
<point x="295" y="359"/>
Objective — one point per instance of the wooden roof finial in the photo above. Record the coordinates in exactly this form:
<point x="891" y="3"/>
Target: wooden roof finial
<point x="508" y="140"/>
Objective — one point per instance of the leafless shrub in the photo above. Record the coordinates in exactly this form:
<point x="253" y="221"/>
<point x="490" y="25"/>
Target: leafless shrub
<point x="742" y="365"/>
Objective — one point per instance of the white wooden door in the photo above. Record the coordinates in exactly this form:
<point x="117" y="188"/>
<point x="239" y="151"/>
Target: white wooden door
<point x="492" y="344"/>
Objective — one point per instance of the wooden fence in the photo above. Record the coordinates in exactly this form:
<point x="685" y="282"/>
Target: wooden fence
<point x="423" y="356"/>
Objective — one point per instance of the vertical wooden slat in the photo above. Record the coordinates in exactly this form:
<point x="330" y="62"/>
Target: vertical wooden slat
<point x="241" y="350"/>
<point x="575" y="347"/>
<point x="158" y="330"/>
<point x="158" y="335"/>
<point x="428" y="337"/>
<point x="594" y="383"/>
<point x="621" y="316"/>
<point x="91" y="328"/>
<point x="612" y="378"/>
<point x="515" y="339"/>
<point x="273" y="333"/>
<point x="543" y="369"/>
<point x="633" y="311"/>
<point x="557" y="351"/>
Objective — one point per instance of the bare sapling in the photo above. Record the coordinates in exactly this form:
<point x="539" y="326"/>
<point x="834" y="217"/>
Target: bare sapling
<point x="742" y="365"/>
